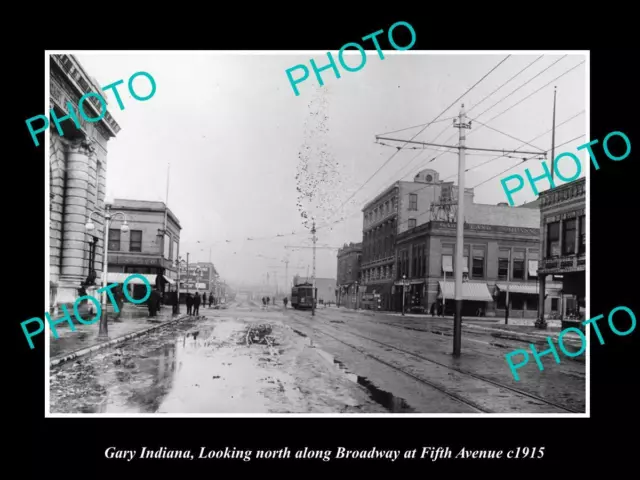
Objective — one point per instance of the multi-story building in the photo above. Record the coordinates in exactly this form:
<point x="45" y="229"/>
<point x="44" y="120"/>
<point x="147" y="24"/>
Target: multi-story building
<point x="349" y="258"/>
<point x="148" y="248"/>
<point x="563" y="232"/>
<point x="501" y="254"/>
<point x="400" y="207"/>
<point x="78" y="168"/>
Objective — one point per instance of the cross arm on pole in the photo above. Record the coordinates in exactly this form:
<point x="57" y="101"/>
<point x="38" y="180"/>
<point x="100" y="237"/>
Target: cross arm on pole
<point x="504" y="152"/>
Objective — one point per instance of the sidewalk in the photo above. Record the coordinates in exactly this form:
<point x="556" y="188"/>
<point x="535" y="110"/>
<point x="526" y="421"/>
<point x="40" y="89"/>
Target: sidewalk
<point x="133" y="319"/>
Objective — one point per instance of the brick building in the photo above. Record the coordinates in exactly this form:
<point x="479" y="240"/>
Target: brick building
<point x="563" y="233"/>
<point x="147" y="248"/>
<point x="77" y="168"/>
<point x="349" y="258"/>
<point x="501" y="247"/>
<point x="400" y="207"/>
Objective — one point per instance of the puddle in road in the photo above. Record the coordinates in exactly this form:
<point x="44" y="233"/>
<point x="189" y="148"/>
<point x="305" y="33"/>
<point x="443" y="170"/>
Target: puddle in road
<point x="386" y="399"/>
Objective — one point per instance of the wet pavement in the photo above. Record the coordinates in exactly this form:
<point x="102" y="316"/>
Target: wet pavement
<point x="251" y="359"/>
<point x="392" y="351"/>
<point x="207" y="366"/>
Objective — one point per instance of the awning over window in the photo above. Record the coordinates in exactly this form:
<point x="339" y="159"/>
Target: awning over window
<point x="116" y="277"/>
<point x="518" y="288"/>
<point x="477" y="292"/>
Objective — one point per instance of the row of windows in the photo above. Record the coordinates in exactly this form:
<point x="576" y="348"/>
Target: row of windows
<point x="516" y="264"/>
<point x="135" y="240"/>
<point x="135" y="243"/>
<point x="380" y="212"/>
<point x="573" y="237"/>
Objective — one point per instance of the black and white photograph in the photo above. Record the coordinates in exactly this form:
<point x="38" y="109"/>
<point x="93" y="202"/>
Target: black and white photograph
<point x="278" y="234"/>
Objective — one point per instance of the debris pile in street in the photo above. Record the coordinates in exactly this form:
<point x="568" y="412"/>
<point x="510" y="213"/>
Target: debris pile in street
<point x="260" y="334"/>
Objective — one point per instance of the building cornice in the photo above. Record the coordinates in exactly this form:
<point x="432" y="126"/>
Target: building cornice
<point x="77" y="78"/>
<point x="386" y="191"/>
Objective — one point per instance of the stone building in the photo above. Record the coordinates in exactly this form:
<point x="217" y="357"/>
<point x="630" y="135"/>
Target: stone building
<point x="349" y="258"/>
<point x="500" y="254"/>
<point x="148" y="248"/>
<point x="400" y="207"/>
<point x="563" y="233"/>
<point x="77" y="166"/>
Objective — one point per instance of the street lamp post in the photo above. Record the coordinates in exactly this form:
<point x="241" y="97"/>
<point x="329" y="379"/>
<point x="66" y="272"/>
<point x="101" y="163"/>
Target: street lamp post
<point x="178" y="263"/>
<point x="357" y="295"/>
<point x="404" y="291"/>
<point x="103" y="332"/>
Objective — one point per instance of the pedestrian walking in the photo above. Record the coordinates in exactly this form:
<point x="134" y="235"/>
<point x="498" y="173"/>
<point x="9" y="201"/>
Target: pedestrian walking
<point x="210" y="299"/>
<point x="153" y="303"/>
<point x="196" y="304"/>
<point x="175" y="301"/>
<point x="189" y="301"/>
<point x="119" y="296"/>
<point x="433" y="309"/>
<point x="285" y="300"/>
<point x="204" y="299"/>
<point x="268" y="299"/>
<point x="264" y="303"/>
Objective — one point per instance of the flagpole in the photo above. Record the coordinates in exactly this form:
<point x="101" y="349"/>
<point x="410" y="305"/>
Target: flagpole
<point x="553" y="135"/>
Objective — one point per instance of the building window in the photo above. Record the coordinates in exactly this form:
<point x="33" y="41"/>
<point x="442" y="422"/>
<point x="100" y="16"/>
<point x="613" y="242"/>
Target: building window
<point x="518" y="265"/>
<point x="569" y="237"/>
<point x="554" y="304"/>
<point x="582" y="232"/>
<point x="135" y="241"/>
<point x="553" y="239"/>
<point x="532" y="302"/>
<point x="175" y="251"/>
<point x="114" y="239"/>
<point x="167" y="246"/>
<point x="502" y="297"/>
<point x="532" y="264"/>
<point x="477" y="270"/>
<point x="413" y="201"/>
<point x="429" y="178"/>
<point x="412" y="223"/>
<point x="503" y="264"/>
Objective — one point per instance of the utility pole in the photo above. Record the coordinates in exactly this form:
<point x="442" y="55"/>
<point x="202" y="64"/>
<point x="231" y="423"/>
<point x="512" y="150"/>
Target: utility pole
<point x="313" y="281"/>
<point x="461" y="123"/>
<point x="506" y="305"/>
<point x="457" y="319"/>
<point x="553" y="134"/>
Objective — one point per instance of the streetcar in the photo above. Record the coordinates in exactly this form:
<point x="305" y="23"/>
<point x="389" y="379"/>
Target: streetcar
<point x="302" y="296"/>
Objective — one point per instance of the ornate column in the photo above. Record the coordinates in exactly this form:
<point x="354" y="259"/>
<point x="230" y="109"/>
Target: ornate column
<point x="75" y="245"/>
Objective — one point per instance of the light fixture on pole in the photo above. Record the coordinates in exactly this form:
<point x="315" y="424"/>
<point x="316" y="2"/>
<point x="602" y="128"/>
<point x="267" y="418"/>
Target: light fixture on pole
<point x="103" y="332"/>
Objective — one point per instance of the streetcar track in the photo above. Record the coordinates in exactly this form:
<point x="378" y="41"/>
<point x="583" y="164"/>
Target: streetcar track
<point x="419" y="379"/>
<point x="464" y="372"/>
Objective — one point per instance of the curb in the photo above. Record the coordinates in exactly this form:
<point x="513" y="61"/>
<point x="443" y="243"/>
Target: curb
<point x="115" y="341"/>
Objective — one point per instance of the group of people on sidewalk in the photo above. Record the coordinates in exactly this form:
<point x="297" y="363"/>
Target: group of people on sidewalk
<point x="267" y="300"/>
<point x="193" y="302"/>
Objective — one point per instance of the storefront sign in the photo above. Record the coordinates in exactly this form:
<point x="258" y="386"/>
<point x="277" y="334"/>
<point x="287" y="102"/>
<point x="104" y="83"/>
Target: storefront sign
<point x="474" y="227"/>
<point x="134" y="260"/>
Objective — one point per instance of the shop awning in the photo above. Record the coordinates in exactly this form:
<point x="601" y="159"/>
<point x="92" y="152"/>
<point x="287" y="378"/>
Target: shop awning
<point x="477" y="292"/>
<point x="518" y="288"/>
<point x="116" y="277"/>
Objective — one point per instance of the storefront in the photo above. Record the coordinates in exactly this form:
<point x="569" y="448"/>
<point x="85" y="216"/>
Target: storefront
<point x="476" y="298"/>
<point x="563" y="236"/>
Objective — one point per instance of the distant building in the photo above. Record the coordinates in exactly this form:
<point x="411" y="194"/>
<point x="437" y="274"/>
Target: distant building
<point x="78" y="169"/>
<point x="326" y="290"/>
<point x="349" y="258"/>
<point x="563" y="233"/>
<point x="147" y="248"/>
<point x="201" y="277"/>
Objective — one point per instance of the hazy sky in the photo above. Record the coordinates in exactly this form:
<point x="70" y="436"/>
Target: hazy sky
<point x="233" y="131"/>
